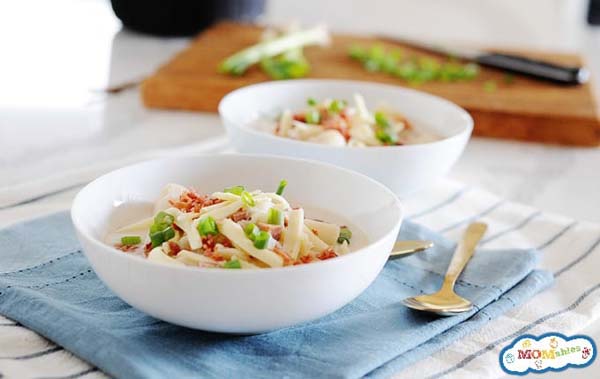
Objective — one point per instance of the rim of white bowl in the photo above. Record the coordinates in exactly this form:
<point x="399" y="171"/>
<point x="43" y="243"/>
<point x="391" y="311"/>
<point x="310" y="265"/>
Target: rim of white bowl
<point x="223" y="271"/>
<point x="468" y="128"/>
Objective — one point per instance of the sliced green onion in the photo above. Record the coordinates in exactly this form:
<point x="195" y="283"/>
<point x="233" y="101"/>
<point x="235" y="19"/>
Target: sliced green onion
<point x="377" y="52"/>
<point x="406" y="71"/>
<point x="130" y="240"/>
<point x="164" y="218"/>
<point x="247" y="199"/>
<point x="236" y="190"/>
<point x="386" y="137"/>
<point x="336" y="106"/>
<point x="206" y="226"/>
<point x="282" y="185"/>
<point x="313" y="116"/>
<point x="261" y="240"/>
<point x="157" y="228"/>
<point x="345" y="235"/>
<point x="389" y="63"/>
<point x="383" y="132"/>
<point x="232" y="264"/>
<point x="274" y="216"/>
<point x="311" y="102"/>
<point x="251" y="231"/>
<point x="415" y="70"/>
<point x="450" y="72"/>
<point x="375" y="58"/>
<point x="157" y="236"/>
<point x="168" y="233"/>
<point x="161" y="230"/>
<point x="381" y="120"/>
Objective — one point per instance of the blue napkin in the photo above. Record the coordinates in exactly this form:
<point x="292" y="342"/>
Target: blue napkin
<point x="47" y="285"/>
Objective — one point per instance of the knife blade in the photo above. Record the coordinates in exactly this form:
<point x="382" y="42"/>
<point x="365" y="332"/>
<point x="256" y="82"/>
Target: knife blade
<point x="567" y="75"/>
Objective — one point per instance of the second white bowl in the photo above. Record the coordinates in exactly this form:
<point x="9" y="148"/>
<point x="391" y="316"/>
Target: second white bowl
<point x="404" y="169"/>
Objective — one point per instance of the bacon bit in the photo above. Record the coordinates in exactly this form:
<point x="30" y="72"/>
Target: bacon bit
<point x="147" y="248"/>
<point x="216" y="256"/>
<point x="327" y="254"/>
<point x="189" y="202"/>
<point x="209" y="242"/>
<point x="240" y="215"/>
<point x="174" y="249"/>
<point x="315" y="231"/>
<point x="274" y="230"/>
<point x="126" y="248"/>
<point x="303" y="260"/>
<point x="224" y="241"/>
<point x="287" y="260"/>
<point x="299" y="117"/>
<point x="213" y="201"/>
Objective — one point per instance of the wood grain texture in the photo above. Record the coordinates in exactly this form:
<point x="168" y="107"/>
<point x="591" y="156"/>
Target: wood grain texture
<point x="526" y="109"/>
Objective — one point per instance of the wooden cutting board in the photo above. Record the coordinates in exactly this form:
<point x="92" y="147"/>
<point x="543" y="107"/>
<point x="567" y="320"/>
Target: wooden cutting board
<point x="525" y="109"/>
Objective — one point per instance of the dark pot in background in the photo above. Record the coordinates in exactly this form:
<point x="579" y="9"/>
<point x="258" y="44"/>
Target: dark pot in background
<point x="182" y="17"/>
<point x="594" y="12"/>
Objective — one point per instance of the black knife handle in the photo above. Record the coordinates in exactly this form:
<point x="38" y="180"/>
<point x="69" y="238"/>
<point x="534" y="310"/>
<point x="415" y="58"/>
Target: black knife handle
<point x="535" y="68"/>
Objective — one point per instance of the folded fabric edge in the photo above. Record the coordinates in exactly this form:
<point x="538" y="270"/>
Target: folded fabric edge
<point x="525" y="269"/>
<point x="534" y="283"/>
<point x="424" y="233"/>
<point x="42" y="319"/>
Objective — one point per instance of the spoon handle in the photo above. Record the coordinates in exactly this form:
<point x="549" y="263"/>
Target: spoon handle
<point x="464" y="252"/>
<point x="408" y="247"/>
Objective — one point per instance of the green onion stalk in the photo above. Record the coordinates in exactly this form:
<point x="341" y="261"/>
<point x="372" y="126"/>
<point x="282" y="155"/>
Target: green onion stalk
<point x="290" y="65"/>
<point x="238" y="63"/>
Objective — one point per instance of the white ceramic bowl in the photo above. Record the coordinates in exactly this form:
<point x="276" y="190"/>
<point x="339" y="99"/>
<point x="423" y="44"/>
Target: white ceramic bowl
<point x="404" y="169"/>
<point x="238" y="301"/>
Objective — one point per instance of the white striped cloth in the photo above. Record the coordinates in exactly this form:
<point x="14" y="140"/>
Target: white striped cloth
<point x="570" y="251"/>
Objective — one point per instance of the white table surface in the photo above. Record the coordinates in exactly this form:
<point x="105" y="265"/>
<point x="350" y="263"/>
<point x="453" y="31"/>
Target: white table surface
<point x="56" y="54"/>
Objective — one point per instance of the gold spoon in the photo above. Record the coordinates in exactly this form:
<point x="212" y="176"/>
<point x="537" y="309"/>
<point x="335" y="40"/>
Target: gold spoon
<point x="446" y="302"/>
<point x="407" y="248"/>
